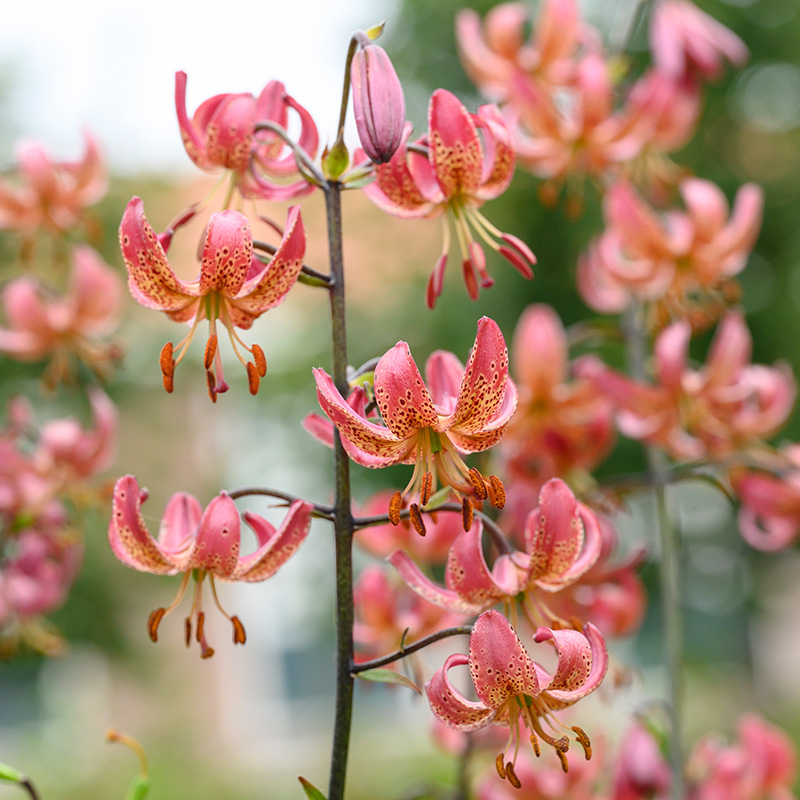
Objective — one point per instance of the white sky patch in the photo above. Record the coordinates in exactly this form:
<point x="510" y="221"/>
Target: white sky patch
<point x="110" y="67"/>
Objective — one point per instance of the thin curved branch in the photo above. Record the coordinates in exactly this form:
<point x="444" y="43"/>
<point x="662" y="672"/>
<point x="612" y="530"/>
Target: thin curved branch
<point x="326" y="280"/>
<point x="363" y="666"/>
<point x="320" y="511"/>
<point x="26" y="782"/>
<point x="300" y="155"/>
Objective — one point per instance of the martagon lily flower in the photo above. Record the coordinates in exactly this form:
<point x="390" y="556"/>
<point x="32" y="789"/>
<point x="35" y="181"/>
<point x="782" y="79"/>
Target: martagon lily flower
<point x="514" y="690"/>
<point x="200" y="544"/>
<point x="233" y="286"/>
<point x="459" y="174"/>
<point x="465" y="411"/>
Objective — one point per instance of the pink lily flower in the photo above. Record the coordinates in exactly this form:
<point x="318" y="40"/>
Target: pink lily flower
<point x="516" y="691"/>
<point x="726" y="405"/>
<point x="222" y="134"/>
<point x="687" y="42"/>
<point x="463" y="169"/>
<point x="233" y="286"/>
<point x="200" y="544"/>
<point x="562" y="542"/>
<point x="493" y="55"/>
<point x="465" y="411"/>
<point x="67" y="326"/>
<point x="560" y="424"/>
<point x="51" y="194"/>
<point x="769" y="517"/>
<point x="683" y="262"/>
<point x="641" y="771"/>
<point x="762" y="764"/>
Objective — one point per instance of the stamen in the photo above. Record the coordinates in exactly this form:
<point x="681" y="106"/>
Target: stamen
<point x="563" y="759"/>
<point x="153" y="621"/>
<point x="498" y="765"/>
<point x="187" y="628"/>
<point x="261" y="361"/>
<point x="395" y="504"/>
<point x="253" y="378"/>
<point x="478" y="484"/>
<point x="466" y="513"/>
<point x="498" y="491"/>
<point x="211" y="381"/>
<point x="239" y="636"/>
<point x="167" y="364"/>
<point x="535" y="742"/>
<point x="583" y="740"/>
<point x="512" y="776"/>
<point x="425" y="489"/>
<point x="211" y="350"/>
<point x="201" y="625"/>
<point x="416" y="519"/>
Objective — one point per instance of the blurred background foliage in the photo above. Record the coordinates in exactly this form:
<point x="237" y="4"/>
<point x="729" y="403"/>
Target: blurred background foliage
<point x="242" y="724"/>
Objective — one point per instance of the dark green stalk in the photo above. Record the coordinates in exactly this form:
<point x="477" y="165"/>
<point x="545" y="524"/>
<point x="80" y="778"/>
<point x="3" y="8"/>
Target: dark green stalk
<point x="668" y="568"/>
<point x="343" y="518"/>
<point x="364" y="666"/>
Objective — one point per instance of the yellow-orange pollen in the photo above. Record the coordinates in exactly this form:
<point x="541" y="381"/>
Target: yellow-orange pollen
<point x="196" y="613"/>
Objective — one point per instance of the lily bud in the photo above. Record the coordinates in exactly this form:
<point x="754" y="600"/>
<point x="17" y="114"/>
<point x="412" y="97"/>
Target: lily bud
<point x="378" y="103"/>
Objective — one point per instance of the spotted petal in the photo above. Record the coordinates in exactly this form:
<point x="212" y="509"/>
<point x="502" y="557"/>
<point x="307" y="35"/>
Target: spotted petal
<point x="216" y="545"/>
<point x="276" y="547"/>
<point x="450" y="705"/>
<point x="499" y="664"/>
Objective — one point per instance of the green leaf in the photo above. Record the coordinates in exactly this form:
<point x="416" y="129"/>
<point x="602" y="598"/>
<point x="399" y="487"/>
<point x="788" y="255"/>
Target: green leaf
<point x="312" y="793"/>
<point x="9" y="774"/>
<point x="388" y="676"/>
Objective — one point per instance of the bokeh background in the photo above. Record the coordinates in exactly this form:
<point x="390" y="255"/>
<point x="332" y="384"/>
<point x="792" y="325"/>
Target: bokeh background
<point x="246" y="722"/>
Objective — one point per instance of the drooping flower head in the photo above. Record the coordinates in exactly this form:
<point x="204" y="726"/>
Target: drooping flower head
<point x="234" y="286"/>
<point x="468" y="159"/>
<point x="465" y="411"/>
<point x="516" y="691"/>
<point x="200" y="544"/>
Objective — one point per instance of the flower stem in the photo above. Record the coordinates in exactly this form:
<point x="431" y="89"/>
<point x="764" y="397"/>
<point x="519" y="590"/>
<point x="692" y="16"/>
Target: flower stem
<point x="669" y="566"/>
<point x="343" y="518"/>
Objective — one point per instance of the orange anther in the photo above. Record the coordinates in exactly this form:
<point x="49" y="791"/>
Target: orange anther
<point x="416" y="519"/>
<point x="211" y="351"/>
<point x="512" y="776"/>
<point x="201" y="624"/>
<point x="252" y="377"/>
<point x="187" y="629"/>
<point x="563" y="759"/>
<point x="261" y="361"/>
<point x="498" y="764"/>
<point x="498" y="491"/>
<point x="395" y="504"/>
<point x="535" y="743"/>
<point x="466" y="513"/>
<point x="153" y="621"/>
<point x="167" y="364"/>
<point x="583" y="740"/>
<point x="239" y="636"/>
<point x="478" y="484"/>
<point x="211" y="381"/>
<point x="425" y="489"/>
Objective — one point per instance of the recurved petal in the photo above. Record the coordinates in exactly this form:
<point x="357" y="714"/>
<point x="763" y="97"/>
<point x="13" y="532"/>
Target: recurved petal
<point x="192" y="139"/>
<point x="367" y="444"/>
<point x="730" y="350"/>
<point x="216" y="546"/>
<point x="151" y="280"/>
<point x="450" y="706"/>
<point x="455" y="151"/>
<point x="443" y="374"/>
<point x="539" y="350"/>
<point x="420" y="583"/>
<point x="483" y="386"/>
<point x="276" y="547"/>
<point x="128" y="536"/>
<point x="582" y="662"/>
<point x="494" y="431"/>
<point x="401" y="394"/>
<point x="499" y="157"/>
<point x="179" y="524"/>
<point x="227" y="253"/>
<point x="269" y="287"/>
<point x="671" y="352"/>
<point x="499" y="664"/>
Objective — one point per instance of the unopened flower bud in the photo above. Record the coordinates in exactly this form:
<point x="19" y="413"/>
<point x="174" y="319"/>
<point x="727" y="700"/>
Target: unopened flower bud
<point x="378" y="103"/>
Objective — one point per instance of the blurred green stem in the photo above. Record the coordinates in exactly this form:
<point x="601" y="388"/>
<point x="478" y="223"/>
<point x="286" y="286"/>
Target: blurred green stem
<point x="343" y="518"/>
<point x="669" y="564"/>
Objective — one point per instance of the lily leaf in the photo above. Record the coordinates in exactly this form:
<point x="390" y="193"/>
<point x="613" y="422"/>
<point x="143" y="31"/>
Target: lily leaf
<point x="312" y="793"/>
<point x="388" y="676"/>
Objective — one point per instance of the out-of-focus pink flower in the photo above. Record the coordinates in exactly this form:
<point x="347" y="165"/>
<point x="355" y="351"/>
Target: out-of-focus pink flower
<point x="515" y="691"/>
<point x="762" y="765"/>
<point x="769" y="517"/>
<point x="234" y="286"/>
<point x="562" y="542"/>
<point x="200" y="544"/>
<point x="51" y="194"/>
<point x="387" y="613"/>
<point x="687" y="42"/>
<point x="684" y="260"/>
<point x="378" y="103"/>
<point x="222" y="134"/>
<point x="465" y="411"/>
<point x="470" y="159"/>
<point x="491" y="56"/>
<point x="560" y="424"/>
<point x="62" y="327"/>
<point x="726" y="405"/>
<point x="641" y="771"/>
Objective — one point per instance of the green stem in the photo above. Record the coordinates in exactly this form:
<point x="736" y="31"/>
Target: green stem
<point x="364" y="666"/>
<point x="343" y="518"/>
<point x="669" y="566"/>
